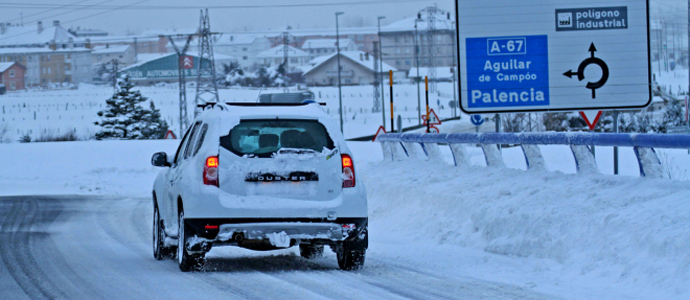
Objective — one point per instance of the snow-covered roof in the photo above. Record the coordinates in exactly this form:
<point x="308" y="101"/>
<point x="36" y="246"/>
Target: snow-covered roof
<point x="146" y="58"/>
<point x="657" y="99"/>
<point x="111" y="49"/>
<point x="277" y="52"/>
<point x="236" y="39"/>
<point x="29" y="36"/>
<point x="26" y="50"/>
<point x="4" y="66"/>
<point x="407" y="24"/>
<point x="441" y="72"/>
<point x="157" y="32"/>
<point x="358" y="57"/>
<point x="122" y="38"/>
<point x="326" y="43"/>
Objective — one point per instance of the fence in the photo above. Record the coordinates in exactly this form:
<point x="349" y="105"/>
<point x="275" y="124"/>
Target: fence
<point x="400" y="146"/>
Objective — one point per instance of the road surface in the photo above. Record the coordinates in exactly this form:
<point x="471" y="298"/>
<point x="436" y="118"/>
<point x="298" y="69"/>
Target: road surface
<point x="79" y="247"/>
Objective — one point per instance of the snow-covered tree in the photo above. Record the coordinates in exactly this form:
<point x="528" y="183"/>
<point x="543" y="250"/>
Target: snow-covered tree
<point x="674" y="115"/>
<point x="556" y="121"/>
<point x="124" y="118"/>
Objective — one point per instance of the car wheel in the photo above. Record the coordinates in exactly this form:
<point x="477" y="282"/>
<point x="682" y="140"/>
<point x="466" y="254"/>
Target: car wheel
<point x="187" y="262"/>
<point x="350" y="260"/>
<point x="311" y="251"/>
<point x="159" y="251"/>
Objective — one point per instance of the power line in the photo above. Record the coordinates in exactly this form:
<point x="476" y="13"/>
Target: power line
<point x="45" y="11"/>
<point x="78" y="19"/>
<point x="15" y="5"/>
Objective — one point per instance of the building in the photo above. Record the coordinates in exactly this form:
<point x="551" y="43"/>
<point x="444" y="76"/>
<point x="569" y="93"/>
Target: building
<point x="12" y="75"/>
<point x="399" y="38"/>
<point x="357" y="68"/>
<point x="139" y="44"/>
<point x="244" y="47"/>
<point x="276" y="56"/>
<point x="321" y="47"/>
<point x="83" y="32"/>
<point x="44" y="65"/>
<point x="124" y="54"/>
<point x="54" y="37"/>
<point x="164" y="68"/>
<point x="364" y="37"/>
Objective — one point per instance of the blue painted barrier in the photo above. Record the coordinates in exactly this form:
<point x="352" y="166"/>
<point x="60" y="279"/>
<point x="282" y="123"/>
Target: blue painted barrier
<point x="643" y="145"/>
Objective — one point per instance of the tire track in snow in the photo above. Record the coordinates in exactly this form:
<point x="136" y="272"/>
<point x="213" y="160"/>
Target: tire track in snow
<point x="16" y="254"/>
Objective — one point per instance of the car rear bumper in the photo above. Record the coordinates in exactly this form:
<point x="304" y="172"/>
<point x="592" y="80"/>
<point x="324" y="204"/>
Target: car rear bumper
<point x="265" y="231"/>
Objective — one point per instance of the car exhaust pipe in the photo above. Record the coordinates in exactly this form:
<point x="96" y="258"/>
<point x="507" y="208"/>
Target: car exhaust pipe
<point x="238" y="237"/>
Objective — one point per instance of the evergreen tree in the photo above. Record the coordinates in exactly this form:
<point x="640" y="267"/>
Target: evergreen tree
<point x="124" y="118"/>
<point x="674" y="115"/>
<point x="154" y="127"/>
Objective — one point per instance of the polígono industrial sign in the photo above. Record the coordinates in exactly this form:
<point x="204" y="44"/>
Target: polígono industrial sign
<point x="546" y="55"/>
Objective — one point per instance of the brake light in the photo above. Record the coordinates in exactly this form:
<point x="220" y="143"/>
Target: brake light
<point x="211" y="171"/>
<point x="348" y="171"/>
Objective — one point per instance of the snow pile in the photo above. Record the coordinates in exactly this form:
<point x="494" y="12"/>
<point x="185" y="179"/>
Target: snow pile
<point x="120" y="168"/>
<point x="607" y="235"/>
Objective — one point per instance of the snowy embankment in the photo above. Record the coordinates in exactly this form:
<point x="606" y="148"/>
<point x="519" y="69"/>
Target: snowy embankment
<point x="587" y="237"/>
<point x="590" y="237"/>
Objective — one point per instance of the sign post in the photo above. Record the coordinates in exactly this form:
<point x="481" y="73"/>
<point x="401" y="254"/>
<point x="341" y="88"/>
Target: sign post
<point x="553" y="55"/>
<point x="477" y="120"/>
<point x="426" y="92"/>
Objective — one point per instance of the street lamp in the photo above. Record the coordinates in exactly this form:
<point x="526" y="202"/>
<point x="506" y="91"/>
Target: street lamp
<point x="340" y="93"/>
<point x="417" y="46"/>
<point x="383" y="106"/>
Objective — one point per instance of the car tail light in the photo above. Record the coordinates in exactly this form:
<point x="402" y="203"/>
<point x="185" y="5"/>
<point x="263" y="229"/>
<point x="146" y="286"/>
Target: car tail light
<point x="348" y="171"/>
<point x="211" y="171"/>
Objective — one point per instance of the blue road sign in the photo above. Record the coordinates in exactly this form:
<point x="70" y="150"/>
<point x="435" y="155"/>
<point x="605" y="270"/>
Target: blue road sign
<point x="477" y="120"/>
<point x="508" y="72"/>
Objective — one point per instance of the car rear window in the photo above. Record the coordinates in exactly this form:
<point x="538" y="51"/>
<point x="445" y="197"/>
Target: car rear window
<point x="263" y="138"/>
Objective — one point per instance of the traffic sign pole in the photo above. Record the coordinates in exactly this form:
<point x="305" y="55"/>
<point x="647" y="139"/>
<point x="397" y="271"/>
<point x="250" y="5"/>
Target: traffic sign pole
<point x="390" y="75"/>
<point x="615" y="149"/>
<point x="426" y="92"/>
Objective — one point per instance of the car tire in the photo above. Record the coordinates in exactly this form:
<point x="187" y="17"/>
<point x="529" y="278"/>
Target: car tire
<point x="160" y="252"/>
<point x="350" y="260"/>
<point x="311" y="251"/>
<point x="187" y="262"/>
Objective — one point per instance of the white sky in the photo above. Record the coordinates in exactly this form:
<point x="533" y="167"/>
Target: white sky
<point x="155" y="16"/>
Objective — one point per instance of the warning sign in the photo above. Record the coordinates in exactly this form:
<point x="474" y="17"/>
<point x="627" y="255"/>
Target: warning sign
<point x="434" y="118"/>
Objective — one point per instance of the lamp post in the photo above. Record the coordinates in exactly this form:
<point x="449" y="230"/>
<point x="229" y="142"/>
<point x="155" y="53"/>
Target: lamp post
<point x="419" y="77"/>
<point x="454" y="73"/>
<point x="383" y="106"/>
<point x="340" y="93"/>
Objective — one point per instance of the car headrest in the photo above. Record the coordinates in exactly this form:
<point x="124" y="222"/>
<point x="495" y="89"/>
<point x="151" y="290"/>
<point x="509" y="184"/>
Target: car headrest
<point x="268" y="140"/>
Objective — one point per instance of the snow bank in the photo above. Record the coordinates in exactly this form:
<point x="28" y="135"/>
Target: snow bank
<point x="94" y="167"/>
<point x="607" y="236"/>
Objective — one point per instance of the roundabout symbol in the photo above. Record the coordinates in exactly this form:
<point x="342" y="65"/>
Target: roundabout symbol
<point x="581" y="71"/>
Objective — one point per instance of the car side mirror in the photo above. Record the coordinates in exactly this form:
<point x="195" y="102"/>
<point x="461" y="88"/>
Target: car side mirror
<point x="160" y="159"/>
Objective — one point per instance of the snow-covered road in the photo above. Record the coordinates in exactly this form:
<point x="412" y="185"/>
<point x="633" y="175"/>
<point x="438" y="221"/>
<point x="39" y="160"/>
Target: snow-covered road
<point x="93" y="247"/>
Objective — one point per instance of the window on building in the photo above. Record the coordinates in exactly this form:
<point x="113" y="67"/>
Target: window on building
<point x="294" y="60"/>
<point x="42" y="58"/>
<point x="69" y="56"/>
<point x="397" y="39"/>
<point x="47" y="57"/>
<point x="66" y="68"/>
<point x="407" y="62"/>
<point x="244" y="49"/>
<point x="13" y="86"/>
<point x="360" y="38"/>
<point x="11" y="73"/>
<point x="244" y="58"/>
<point x="397" y="50"/>
<point x="397" y="62"/>
<point x="48" y="70"/>
<point x="120" y="56"/>
<point x="28" y="58"/>
<point x="407" y="50"/>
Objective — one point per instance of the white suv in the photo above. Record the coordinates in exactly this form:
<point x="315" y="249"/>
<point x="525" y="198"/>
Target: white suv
<point x="261" y="177"/>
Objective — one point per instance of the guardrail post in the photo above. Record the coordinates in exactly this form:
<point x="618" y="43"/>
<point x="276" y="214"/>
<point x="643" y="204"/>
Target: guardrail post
<point x="398" y="151"/>
<point x="433" y="151"/>
<point x="459" y="155"/>
<point x="414" y="150"/>
<point x="387" y="154"/>
<point x="533" y="157"/>
<point x="493" y="155"/>
<point x="584" y="160"/>
<point x="650" y="166"/>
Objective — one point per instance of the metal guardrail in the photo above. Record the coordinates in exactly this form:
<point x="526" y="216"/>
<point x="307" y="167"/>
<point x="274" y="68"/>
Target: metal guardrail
<point x="400" y="146"/>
